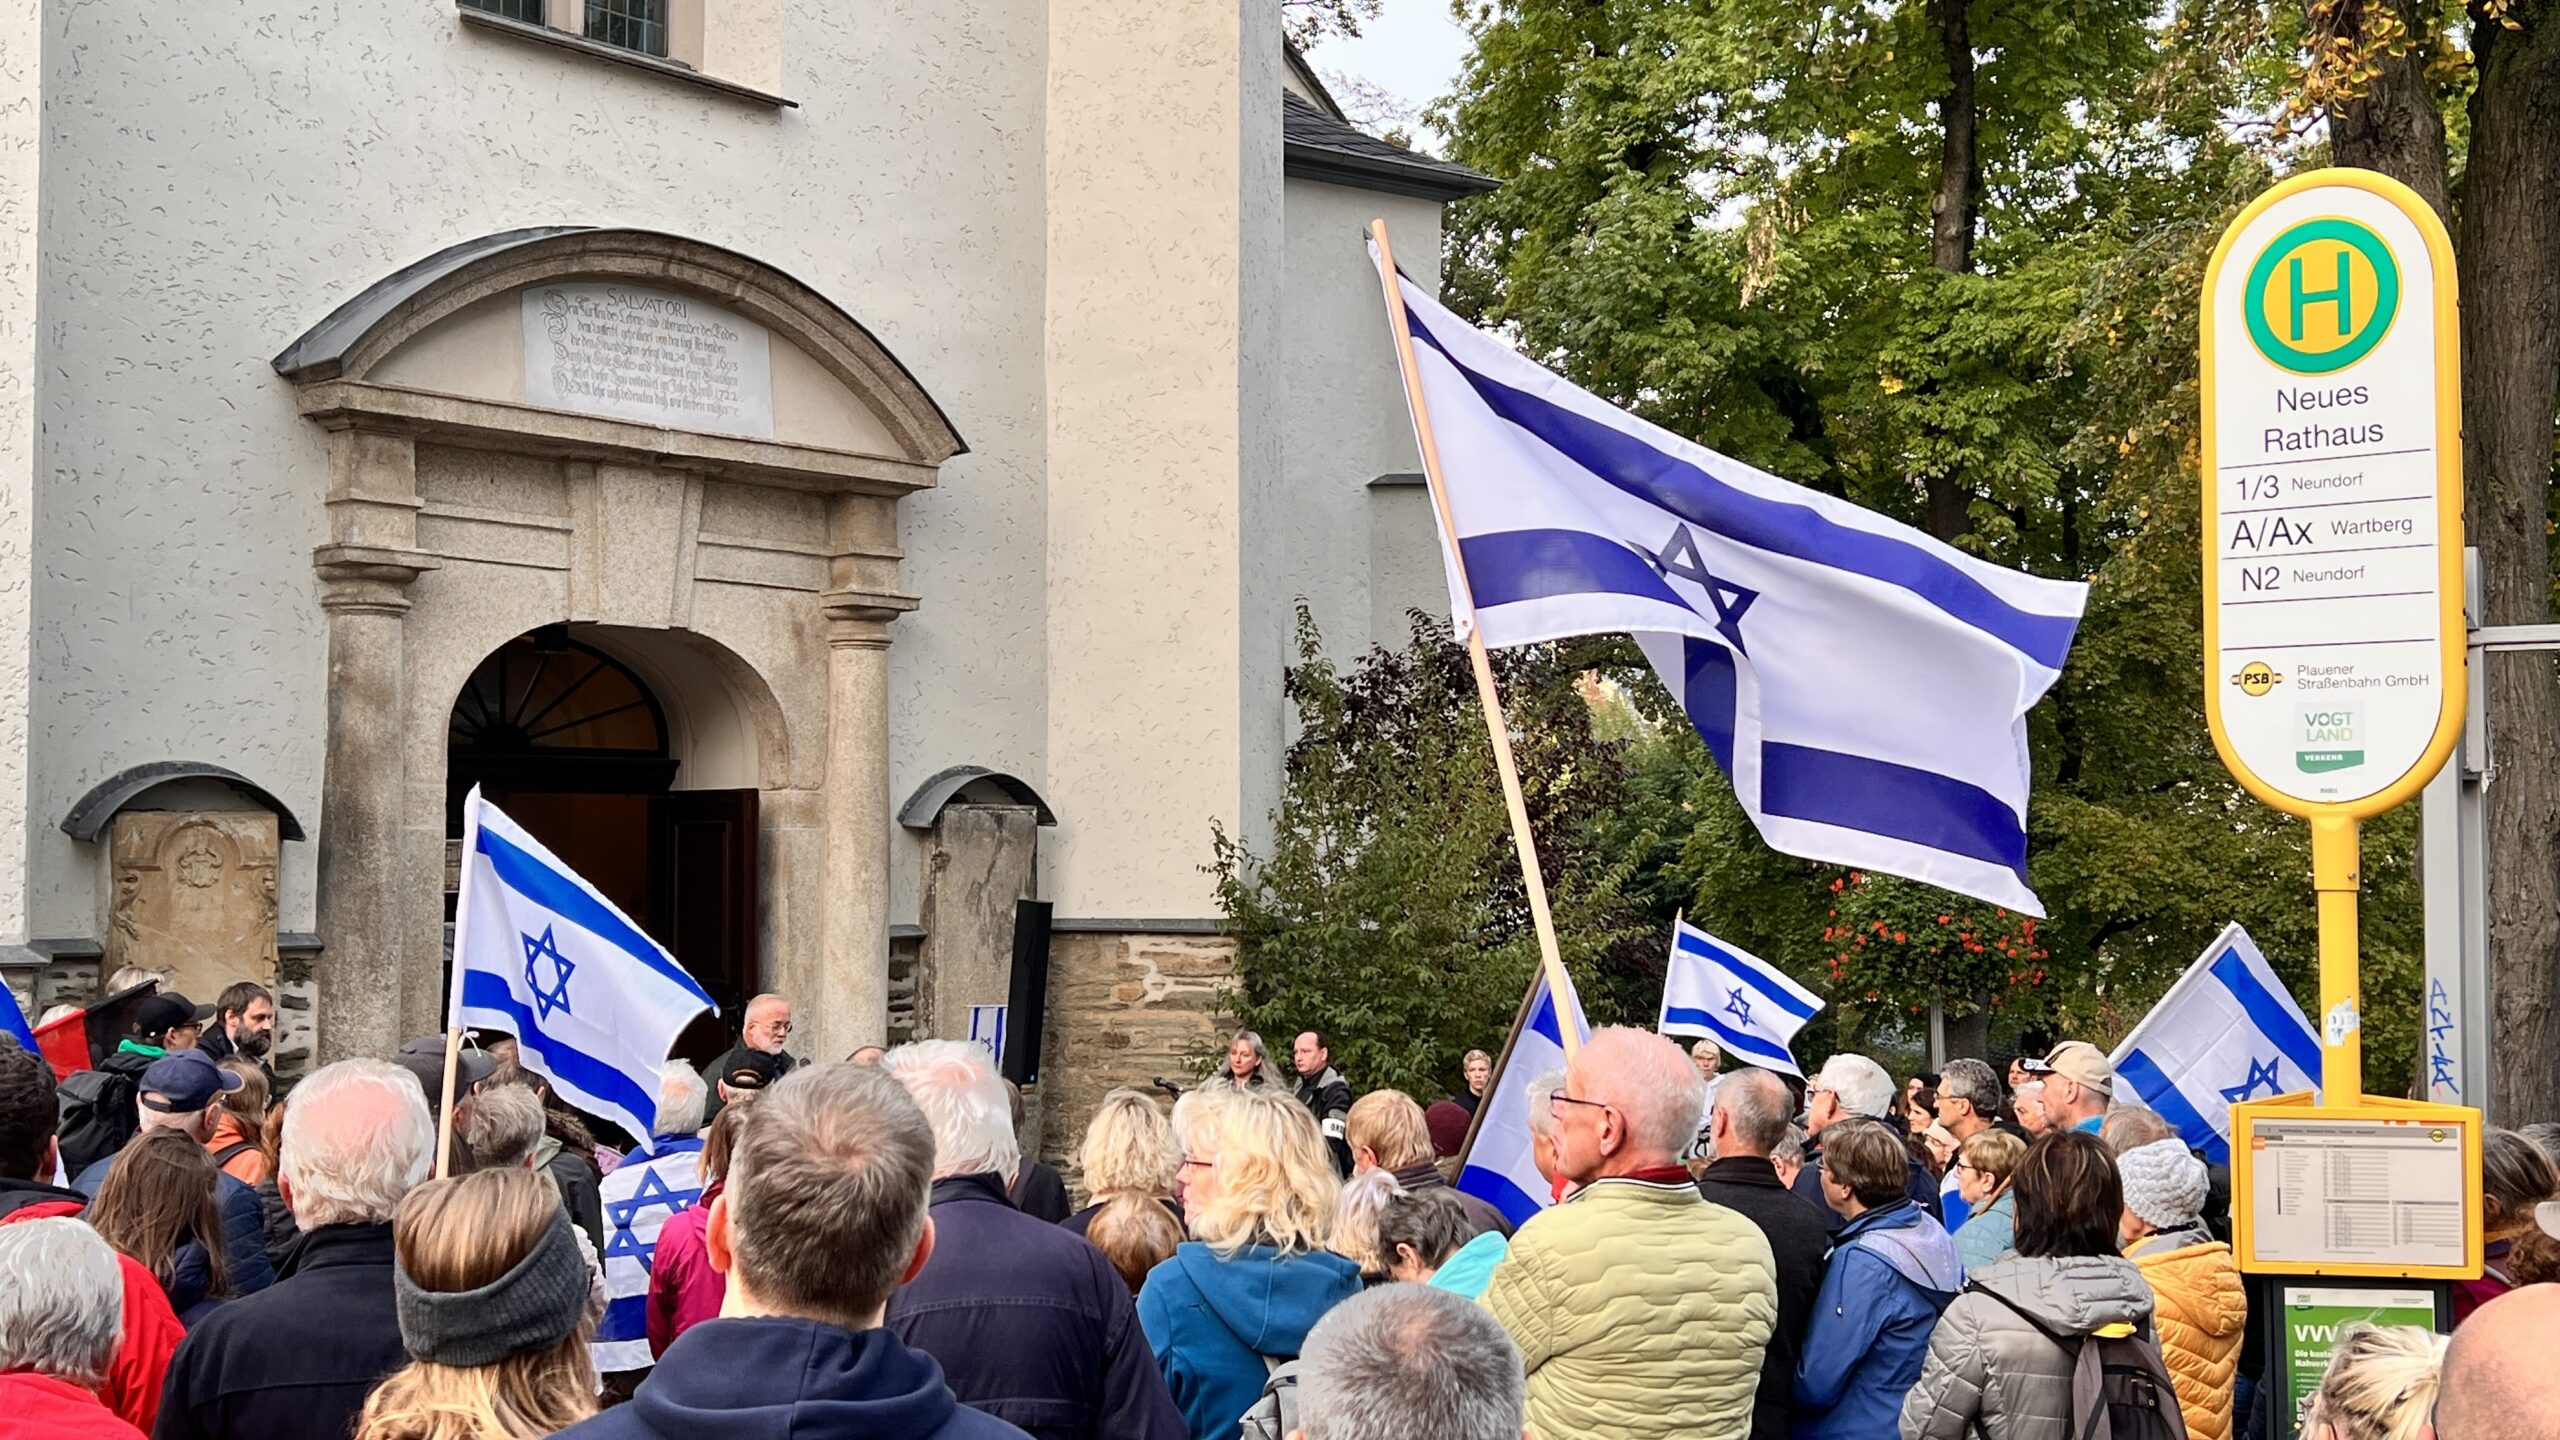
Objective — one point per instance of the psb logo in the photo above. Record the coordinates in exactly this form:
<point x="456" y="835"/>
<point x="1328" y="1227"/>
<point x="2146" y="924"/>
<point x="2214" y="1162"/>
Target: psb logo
<point x="2329" y="736"/>
<point x="2257" y="678"/>
<point x="2321" y="296"/>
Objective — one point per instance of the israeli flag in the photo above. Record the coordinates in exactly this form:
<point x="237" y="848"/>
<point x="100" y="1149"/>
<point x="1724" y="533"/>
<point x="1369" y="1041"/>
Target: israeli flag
<point x="594" y="1004"/>
<point x="1734" y="998"/>
<point x="641" y="1195"/>
<point x="1863" y="686"/>
<point x="1498" y="1168"/>
<point x="2226" y="1032"/>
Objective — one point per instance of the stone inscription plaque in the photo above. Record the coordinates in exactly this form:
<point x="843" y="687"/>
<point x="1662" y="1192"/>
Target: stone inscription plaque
<point x="648" y="355"/>
<point x="195" y="897"/>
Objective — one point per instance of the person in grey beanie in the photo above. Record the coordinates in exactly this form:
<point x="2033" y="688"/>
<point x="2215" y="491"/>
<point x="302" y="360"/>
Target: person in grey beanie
<point x="495" y="1312"/>
<point x="2200" y="1307"/>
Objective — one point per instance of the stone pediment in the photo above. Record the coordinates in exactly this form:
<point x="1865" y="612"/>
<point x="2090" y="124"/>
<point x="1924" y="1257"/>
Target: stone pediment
<point x="624" y="345"/>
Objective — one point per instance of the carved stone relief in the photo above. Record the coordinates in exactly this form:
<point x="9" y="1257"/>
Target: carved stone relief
<point x="195" y="897"/>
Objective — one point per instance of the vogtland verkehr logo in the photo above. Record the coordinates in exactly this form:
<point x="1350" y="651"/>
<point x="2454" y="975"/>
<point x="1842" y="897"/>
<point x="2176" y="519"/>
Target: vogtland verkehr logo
<point x="2321" y="296"/>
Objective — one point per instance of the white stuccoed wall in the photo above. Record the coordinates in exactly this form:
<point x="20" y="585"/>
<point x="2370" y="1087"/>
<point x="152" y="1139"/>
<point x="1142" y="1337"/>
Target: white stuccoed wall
<point x="216" y="185"/>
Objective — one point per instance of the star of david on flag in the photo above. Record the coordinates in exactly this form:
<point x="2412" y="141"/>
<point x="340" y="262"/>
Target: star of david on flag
<point x="1862" y="685"/>
<point x="1733" y="997"/>
<point x="593" y="1002"/>
<point x="641" y="1195"/>
<point x="2228" y="1031"/>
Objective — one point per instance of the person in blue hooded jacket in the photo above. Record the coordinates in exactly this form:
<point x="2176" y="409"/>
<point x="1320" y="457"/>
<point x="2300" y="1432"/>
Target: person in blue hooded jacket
<point x="1243" y="1293"/>
<point x="822" y="1219"/>
<point x="1893" y="1269"/>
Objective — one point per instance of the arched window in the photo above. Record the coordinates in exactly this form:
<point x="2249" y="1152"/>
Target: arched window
<point x="548" y="713"/>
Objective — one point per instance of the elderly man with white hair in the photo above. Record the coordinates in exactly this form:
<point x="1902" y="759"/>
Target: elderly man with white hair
<point x="1403" y="1361"/>
<point x="61" y="1319"/>
<point x="1641" y="1311"/>
<point x="299" y="1357"/>
<point x="1029" y="1320"/>
<point x="1851" y="1087"/>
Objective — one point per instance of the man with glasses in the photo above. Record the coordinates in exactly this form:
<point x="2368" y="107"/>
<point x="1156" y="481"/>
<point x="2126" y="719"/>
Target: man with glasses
<point x="1640" y="1310"/>
<point x="1968" y="1104"/>
<point x="1852" y="1087"/>
<point x="767" y="1027"/>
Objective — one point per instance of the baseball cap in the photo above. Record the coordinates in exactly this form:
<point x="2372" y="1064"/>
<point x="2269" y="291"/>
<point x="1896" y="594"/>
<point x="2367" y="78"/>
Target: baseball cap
<point x="183" y="1082"/>
<point x="2076" y="1060"/>
<point x="423" y="1056"/>
<point x="745" y="1069"/>
<point x="166" y="1011"/>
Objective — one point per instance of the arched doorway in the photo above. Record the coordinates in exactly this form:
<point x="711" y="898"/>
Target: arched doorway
<point x="575" y="746"/>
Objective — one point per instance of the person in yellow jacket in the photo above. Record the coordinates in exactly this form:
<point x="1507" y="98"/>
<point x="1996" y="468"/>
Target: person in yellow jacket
<point x="1641" y="1310"/>
<point x="2200" y="1308"/>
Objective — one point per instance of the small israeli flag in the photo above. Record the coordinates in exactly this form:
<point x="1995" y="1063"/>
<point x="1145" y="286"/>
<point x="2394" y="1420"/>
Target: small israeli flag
<point x="2226" y="1032"/>
<point x="1498" y="1168"/>
<point x="1864" y="686"/>
<point x="594" y="1003"/>
<point x="1734" y="998"/>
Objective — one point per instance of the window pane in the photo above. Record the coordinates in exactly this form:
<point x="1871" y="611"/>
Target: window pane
<point x="529" y="11"/>
<point x="632" y="24"/>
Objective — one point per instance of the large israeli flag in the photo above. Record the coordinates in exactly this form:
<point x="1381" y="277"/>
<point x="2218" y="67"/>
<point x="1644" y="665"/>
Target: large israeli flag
<point x="2226" y="1032"/>
<point x="594" y="1004"/>
<point x="1864" y="686"/>
<point x="641" y="1195"/>
<point x="1498" y="1168"/>
<point x="1734" y="998"/>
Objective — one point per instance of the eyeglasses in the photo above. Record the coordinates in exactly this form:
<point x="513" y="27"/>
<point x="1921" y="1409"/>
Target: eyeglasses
<point x="1561" y="1098"/>
<point x="1188" y="1162"/>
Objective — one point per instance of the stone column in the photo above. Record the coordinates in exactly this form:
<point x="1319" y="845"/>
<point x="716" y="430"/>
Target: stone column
<point x="851" y="1006"/>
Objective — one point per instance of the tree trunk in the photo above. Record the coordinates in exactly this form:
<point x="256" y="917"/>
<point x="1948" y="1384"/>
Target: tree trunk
<point x="2510" y="260"/>
<point x="1953" y="212"/>
<point x="2393" y="126"/>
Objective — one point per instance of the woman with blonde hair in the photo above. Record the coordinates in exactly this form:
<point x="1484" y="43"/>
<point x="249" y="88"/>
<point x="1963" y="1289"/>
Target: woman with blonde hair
<point x="1984" y="1164"/>
<point x="493" y="1300"/>
<point x="1260" y="1196"/>
<point x="158" y="1205"/>
<point x="1129" y="1161"/>
<point x="1248" y="1065"/>
<point x="2380" y="1385"/>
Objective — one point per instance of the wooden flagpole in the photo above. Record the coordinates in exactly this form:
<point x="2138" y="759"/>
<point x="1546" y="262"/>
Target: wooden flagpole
<point x="1496" y="726"/>
<point x="444" y="1116"/>
<point x="1501" y="1068"/>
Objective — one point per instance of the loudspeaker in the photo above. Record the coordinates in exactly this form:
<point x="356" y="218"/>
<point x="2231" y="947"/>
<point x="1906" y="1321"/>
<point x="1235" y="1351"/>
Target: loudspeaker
<point x="1026" y="1008"/>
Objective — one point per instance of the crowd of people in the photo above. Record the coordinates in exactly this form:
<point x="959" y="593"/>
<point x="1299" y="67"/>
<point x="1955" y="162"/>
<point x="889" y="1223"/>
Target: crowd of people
<point x="863" y="1248"/>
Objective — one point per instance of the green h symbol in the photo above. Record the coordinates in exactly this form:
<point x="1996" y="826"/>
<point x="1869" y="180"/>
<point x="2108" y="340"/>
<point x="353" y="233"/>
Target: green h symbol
<point x="2336" y="295"/>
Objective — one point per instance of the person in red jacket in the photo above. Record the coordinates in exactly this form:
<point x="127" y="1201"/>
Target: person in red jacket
<point x="61" y="1322"/>
<point x="149" y="1328"/>
<point x="684" y="1289"/>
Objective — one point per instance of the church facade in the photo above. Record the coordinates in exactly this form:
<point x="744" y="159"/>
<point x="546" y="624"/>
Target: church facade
<point x="830" y="473"/>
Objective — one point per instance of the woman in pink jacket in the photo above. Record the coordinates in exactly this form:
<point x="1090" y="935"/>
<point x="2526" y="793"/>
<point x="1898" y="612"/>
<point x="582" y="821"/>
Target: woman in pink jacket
<point x="684" y="1290"/>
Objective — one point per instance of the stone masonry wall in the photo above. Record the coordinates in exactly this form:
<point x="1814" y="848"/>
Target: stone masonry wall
<point x="1124" y="1009"/>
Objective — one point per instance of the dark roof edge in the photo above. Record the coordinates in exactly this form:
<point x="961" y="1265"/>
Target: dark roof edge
<point x="1421" y="176"/>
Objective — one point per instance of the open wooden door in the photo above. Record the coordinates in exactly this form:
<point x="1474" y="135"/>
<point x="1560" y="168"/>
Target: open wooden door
<point x="703" y="902"/>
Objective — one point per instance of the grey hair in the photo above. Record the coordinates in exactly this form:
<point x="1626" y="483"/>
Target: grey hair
<point x="61" y="1301"/>
<point x="682" y="1097"/>
<point x="357" y="1137"/>
<point x="1972" y="1081"/>
<point x="954" y="1083"/>
<point x="2129" y="1127"/>
<point x="498" y="1127"/>
<point x="1860" y="1084"/>
<point x="1542" y="1093"/>
<point x="1759" y="1106"/>
<point x="1409" y="1360"/>
<point x="1659" y="1094"/>
<point x="1355" y="1217"/>
<point x="1789" y="1151"/>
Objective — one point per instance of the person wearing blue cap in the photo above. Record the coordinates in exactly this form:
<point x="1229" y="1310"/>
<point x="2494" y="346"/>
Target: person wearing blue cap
<point x="177" y="1091"/>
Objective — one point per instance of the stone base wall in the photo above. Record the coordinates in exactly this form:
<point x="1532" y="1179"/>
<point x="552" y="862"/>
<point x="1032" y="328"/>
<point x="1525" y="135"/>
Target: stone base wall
<point x="1124" y="1008"/>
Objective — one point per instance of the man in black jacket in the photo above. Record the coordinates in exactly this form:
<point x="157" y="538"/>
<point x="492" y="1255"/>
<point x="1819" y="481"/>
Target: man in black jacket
<point x="299" y="1357"/>
<point x="1031" y="1323"/>
<point x="1326" y="1094"/>
<point x="1748" y="1121"/>
<point x="243" y="1024"/>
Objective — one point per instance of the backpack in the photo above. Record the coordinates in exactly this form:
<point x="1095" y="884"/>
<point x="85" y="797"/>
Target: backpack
<point x="96" y="1117"/>
<point x="1275" y="1415"/>
<point x="2120" y="1387"/>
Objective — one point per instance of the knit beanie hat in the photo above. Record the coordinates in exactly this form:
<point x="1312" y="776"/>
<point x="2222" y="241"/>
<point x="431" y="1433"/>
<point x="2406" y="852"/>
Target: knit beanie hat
<point x="2163" y="1183"/>
<point x="538" y="1303"/>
